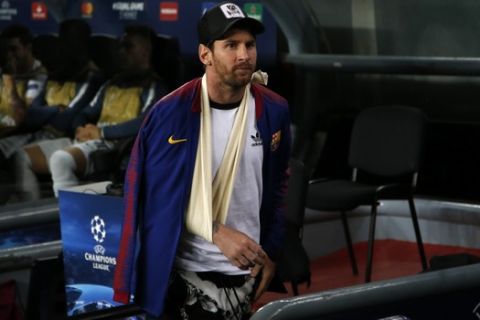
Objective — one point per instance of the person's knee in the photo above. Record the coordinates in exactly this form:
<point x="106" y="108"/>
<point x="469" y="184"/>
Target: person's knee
<point x="38" y="161"/>
<point x="60" y="162"/>
<point x="22" y="158"/>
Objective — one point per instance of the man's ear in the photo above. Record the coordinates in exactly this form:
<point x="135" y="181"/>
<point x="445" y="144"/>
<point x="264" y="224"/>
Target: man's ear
<point x="204" y="54"/>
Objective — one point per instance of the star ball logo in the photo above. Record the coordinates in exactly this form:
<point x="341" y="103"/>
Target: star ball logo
<point x="99" y="260"/>
<point x="97" y="227"/>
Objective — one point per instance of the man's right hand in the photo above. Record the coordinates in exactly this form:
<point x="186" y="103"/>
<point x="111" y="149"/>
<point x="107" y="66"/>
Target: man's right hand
<point x="81" y="134"/>
<point x="240" y="249"/>
<point x="87" y="132"/>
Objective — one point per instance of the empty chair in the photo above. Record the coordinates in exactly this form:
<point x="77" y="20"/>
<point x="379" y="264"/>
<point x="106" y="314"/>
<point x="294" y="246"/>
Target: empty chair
<point x="385" y="152"/>
<point x="167" y="60"/>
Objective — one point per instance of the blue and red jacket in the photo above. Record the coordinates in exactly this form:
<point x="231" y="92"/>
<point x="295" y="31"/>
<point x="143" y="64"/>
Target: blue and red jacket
<point x="158" y="182"/>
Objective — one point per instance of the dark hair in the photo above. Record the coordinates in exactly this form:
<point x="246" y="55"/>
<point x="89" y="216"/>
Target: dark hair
<point x="73" y="51"/>
<point x="144" y="32"/>
<point x="18" y="31"/>
<point x="75" y="28"/>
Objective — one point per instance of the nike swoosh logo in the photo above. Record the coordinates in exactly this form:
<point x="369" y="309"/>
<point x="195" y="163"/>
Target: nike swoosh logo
<point x="171" y="140"/>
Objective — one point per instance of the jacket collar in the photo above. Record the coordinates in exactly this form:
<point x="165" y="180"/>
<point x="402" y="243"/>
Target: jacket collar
<point x="196" y="105"/>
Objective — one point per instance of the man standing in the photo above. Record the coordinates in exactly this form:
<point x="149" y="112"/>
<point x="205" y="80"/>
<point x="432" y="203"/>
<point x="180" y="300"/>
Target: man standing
<point x="206" y="183"/>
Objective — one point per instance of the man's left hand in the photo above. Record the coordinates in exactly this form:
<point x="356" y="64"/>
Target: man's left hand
<point x="242" y="251"/>
<point x="267" y="271"/>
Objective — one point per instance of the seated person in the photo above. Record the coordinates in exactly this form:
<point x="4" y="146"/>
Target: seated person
<point x="70" y="86"/>
<point x="68" y="89"/>
<point x="22" y="76"/>
<point x="115" y="113"/>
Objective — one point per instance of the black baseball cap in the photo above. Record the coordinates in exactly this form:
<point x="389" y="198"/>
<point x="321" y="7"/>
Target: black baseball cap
<point x="219" y="19"/>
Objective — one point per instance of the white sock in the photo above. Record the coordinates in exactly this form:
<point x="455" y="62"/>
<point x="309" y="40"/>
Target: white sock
<point x="62" y="167"/>
<point x="27" y="181"/>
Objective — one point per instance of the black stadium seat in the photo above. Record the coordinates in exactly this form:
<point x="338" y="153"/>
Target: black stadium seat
<point x="385" y="159"/>
<point x="166" y="57"/>
<point x="46" y="48"/>
<point x="167" y="61"/>
<point x="103" y="51"/>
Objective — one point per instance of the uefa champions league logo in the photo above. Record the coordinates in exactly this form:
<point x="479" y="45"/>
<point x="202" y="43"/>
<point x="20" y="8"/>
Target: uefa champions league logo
<point x="97" y="227"/>
<point x="99" y="260"/>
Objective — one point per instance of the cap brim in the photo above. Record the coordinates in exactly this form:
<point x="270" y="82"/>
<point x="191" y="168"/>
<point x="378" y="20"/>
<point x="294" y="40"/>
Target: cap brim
<point x="255" y="26"/>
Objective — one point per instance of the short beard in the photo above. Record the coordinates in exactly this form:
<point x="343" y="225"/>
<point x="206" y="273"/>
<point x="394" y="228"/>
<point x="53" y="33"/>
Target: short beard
<point x="237" y="83"/>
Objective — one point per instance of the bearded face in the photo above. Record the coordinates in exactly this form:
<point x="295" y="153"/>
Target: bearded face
<point x="234" y="58"/>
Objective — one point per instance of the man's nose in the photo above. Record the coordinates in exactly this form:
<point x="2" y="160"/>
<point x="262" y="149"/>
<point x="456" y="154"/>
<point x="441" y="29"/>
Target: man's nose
<point x="242" y="53"/>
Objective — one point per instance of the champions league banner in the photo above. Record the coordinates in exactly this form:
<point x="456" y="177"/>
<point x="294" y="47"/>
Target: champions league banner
<point x="171" y="18"/>
<point x="90" y="228"/>
<point x="33" y="14"/>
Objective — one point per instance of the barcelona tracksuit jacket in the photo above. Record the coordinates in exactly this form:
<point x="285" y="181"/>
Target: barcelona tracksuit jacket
<point x="158" y="182"/>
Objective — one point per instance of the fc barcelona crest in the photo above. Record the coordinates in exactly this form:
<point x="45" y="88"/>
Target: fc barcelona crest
<point x="276" y="138"/>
